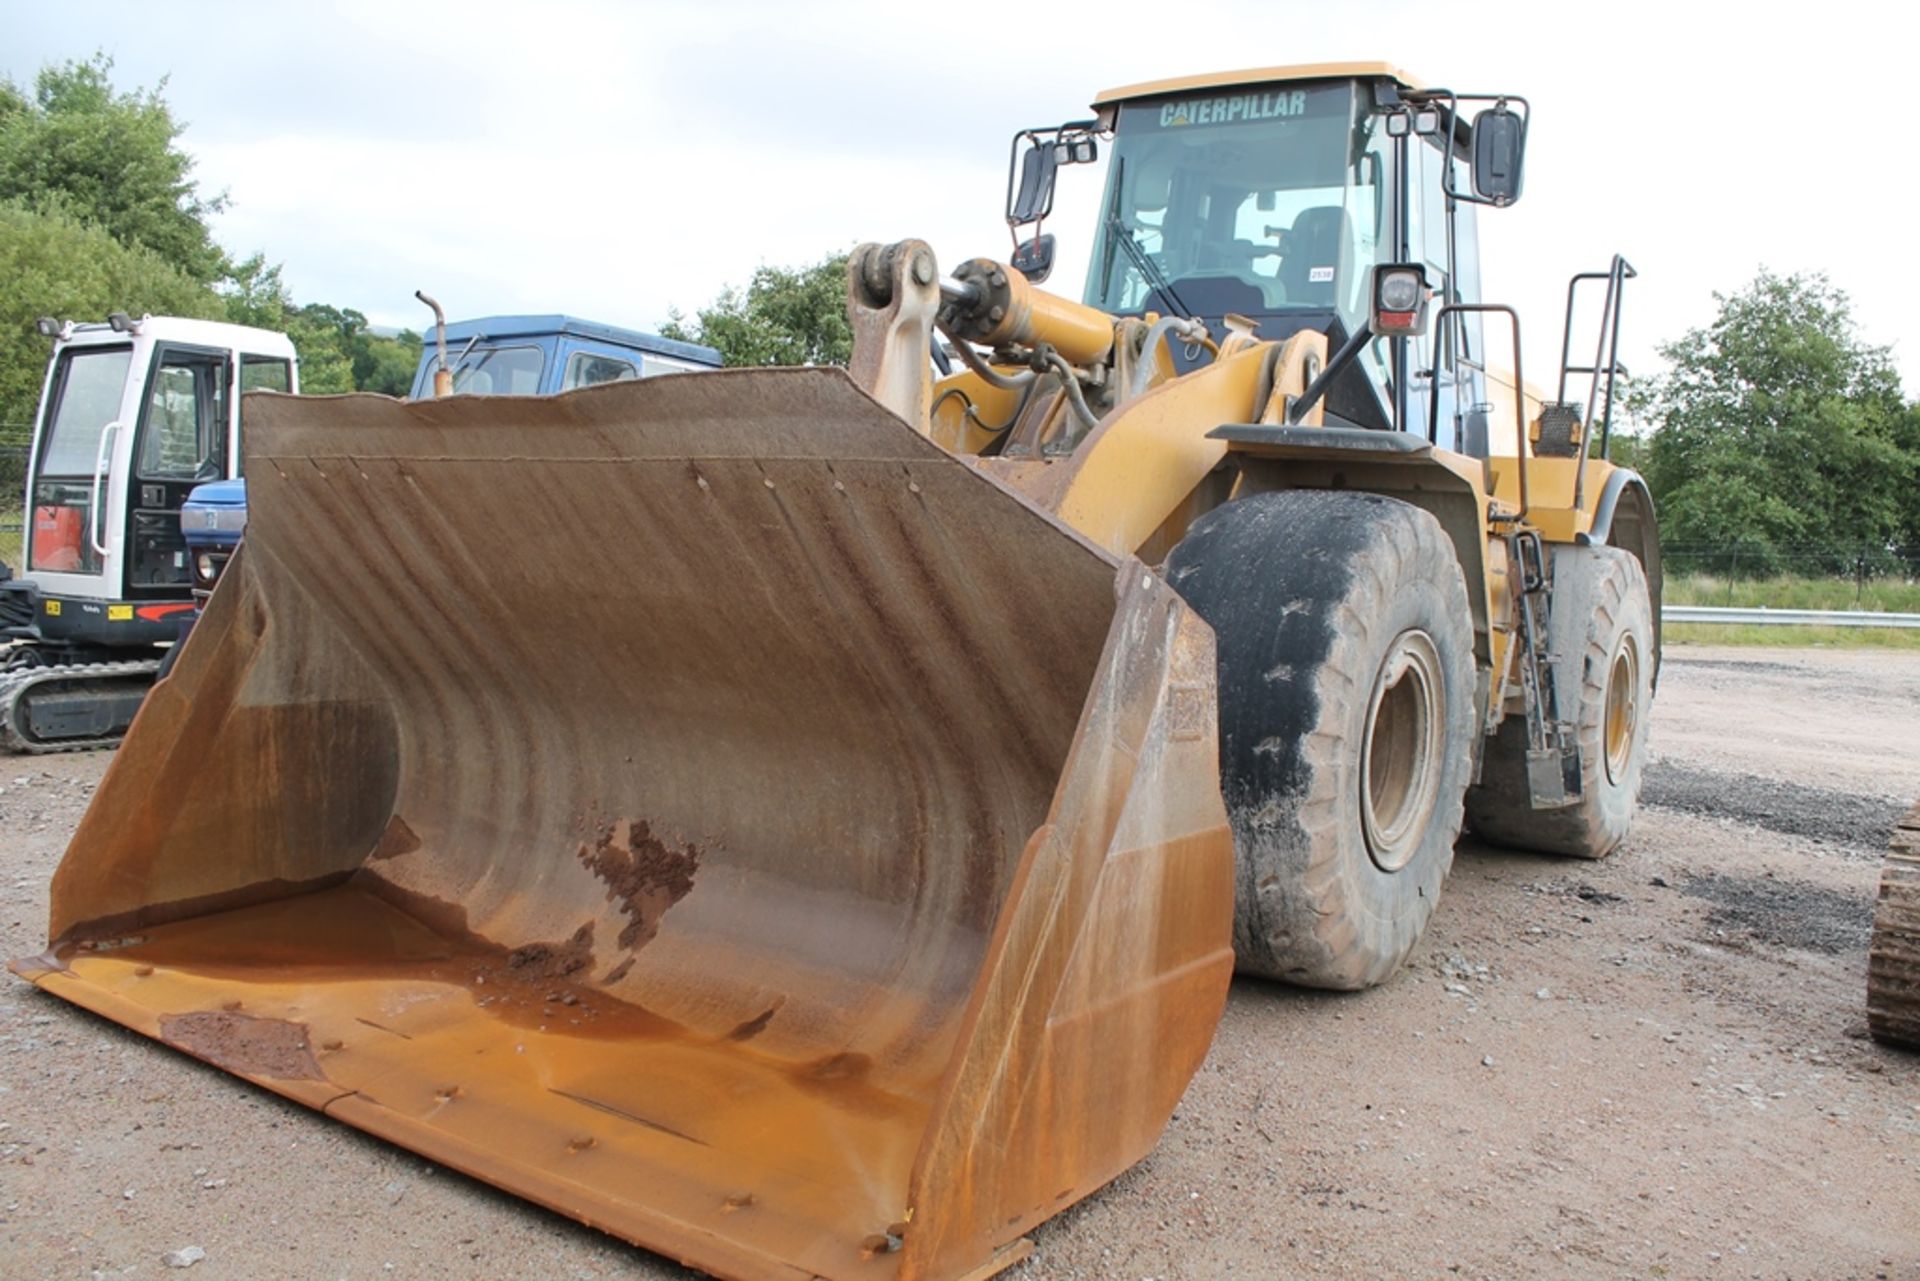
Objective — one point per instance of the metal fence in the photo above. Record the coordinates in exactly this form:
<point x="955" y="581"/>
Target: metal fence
<point x="14" y="438"/>
<point x="1862" y="562"/>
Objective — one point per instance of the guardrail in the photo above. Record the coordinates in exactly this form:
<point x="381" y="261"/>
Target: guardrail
<point x="1787" y="617"/>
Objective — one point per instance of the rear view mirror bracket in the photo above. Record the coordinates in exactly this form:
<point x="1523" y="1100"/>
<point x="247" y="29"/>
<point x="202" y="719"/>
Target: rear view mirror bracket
<point x="1494" y="145"/>
<point x="1031" y="171"/>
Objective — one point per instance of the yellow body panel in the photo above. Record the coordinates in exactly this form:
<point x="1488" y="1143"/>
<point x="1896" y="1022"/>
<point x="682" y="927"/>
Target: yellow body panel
<point x="1550" y="483"/>
<point x="1258" y="75"/>
<point x="1142" y="465"/>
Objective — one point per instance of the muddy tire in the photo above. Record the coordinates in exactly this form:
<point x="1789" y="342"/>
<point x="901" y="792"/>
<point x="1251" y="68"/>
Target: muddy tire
<point x="1345" y="656"/>
<point x="1602" y="638"/>
<point x="1893" y="957"/>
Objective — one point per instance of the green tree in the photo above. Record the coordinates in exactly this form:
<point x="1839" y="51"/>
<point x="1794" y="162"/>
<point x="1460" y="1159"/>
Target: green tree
<point x="1776" y="427"/>
<point x="371" y="361"/>
<point x="384" y="364"/>
<point x="785" y="316"/>
<point x="79" y="146"/>
<point x="256" y="295"/>
<point x="54" y="265"/>
<point x="338" y="352"/>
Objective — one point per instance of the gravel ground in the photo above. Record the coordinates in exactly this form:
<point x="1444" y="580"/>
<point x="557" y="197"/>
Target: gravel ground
<point x="1654" y="1066"/>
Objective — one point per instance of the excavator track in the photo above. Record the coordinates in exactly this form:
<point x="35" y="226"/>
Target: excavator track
<point x="1893" y="961"/>
<point x="16" y="694"/>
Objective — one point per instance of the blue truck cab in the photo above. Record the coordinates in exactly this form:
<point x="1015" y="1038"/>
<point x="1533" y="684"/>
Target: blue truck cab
<point x="538" y="355"/>
<point x="491" y="356"/>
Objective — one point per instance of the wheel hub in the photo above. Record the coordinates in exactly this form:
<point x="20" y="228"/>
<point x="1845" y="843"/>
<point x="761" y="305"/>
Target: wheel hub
<point x="1622" y="708"/>
<point x="1400" y="761"/>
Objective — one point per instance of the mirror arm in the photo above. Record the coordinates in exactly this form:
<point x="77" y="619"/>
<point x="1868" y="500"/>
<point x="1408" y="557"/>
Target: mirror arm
<point x="1298" y="407"/>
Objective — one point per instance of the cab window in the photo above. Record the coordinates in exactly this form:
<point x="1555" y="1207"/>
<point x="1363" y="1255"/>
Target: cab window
<point x="86" y="397"/>
<point x="495" y="371"/>
<point x="265" y="373"/>
<point x="1256" y="200"/>
<point x="585" y="368"/>
<point x="184" y="432"/>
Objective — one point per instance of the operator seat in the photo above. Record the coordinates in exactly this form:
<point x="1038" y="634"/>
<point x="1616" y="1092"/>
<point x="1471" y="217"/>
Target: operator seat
<point x="1319" y="244"/>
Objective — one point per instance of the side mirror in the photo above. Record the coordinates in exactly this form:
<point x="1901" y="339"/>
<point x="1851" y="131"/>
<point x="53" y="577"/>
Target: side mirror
<point x="1499" y="143"/>
<point x="1034" y="258"/>
<point x="1033" y="198"/>
<point x="1399" y="300"/>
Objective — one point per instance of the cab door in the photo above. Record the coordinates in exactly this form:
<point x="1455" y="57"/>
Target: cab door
<point x="180" y="440"/>
<point x="70" y="528"/>
<point x="1448" y="245"/>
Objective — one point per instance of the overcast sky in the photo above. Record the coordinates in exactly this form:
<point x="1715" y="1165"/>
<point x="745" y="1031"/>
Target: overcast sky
<point x="615" y="159"/>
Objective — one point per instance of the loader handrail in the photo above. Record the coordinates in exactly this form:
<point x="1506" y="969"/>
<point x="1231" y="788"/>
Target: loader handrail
<point x="1606" y="357"/>
<point x="1519" y="384"/>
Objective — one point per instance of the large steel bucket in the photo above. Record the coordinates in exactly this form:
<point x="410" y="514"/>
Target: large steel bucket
<point x="701" y="806"/>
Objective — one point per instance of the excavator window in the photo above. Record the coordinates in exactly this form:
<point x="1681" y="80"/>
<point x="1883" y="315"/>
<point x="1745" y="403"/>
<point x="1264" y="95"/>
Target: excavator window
<point x="265" y="373"/>
<point x="87" y="392"/>
<point x="184" y="436"/>
<point x="87" y="386"/>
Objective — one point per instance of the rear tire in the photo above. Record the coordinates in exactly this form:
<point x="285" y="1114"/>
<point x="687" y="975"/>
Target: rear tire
<point x="1601" y="636"/>
<point x="1345" y="662"/>
<point x="1893" y="956"/>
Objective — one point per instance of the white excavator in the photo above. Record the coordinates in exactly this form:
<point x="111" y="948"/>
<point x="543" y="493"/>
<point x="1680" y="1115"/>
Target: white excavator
<point x="134" y="414"/>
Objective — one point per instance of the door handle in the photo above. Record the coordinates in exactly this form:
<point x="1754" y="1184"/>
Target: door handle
<point x="102" y="463"/>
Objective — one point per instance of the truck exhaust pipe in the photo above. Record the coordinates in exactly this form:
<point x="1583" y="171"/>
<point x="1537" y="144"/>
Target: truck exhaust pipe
<point x="442" y="376"/>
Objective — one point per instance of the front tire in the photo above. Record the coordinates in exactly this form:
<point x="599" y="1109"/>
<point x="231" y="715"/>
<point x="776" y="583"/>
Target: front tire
<point x="1600" y="631"/>
<point x="1345" y="658"/>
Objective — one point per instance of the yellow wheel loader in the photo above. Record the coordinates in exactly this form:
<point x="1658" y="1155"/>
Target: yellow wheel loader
<point x="804" y="821"/>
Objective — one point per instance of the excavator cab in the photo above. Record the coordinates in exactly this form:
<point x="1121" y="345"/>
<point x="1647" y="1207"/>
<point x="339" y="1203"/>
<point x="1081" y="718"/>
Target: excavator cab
<point x="135" y="413"/>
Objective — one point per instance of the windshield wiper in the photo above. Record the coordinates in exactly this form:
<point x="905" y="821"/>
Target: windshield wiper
<point x="459" y="362"/>
<point x="1118" y="233"/>
<point x="1148" y="269"/>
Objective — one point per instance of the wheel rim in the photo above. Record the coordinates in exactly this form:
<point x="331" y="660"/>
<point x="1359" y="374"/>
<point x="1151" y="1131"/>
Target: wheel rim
<point x="1623" y="708"/>
<point x="1400" y="763"/>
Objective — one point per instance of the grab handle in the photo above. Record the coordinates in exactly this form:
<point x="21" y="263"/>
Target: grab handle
<point x="102" y="464"/>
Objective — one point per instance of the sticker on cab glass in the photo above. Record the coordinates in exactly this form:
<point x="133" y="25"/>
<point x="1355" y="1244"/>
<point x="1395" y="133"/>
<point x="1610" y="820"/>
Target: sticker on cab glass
<point x="1319" y="275"/>
<point x="119" y="613"/>
<point x="1233" y="109"/>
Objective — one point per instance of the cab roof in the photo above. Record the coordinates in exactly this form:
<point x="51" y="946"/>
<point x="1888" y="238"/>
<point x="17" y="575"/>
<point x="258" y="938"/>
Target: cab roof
<point x="501" y="328"/>
<point x="1260" y="76"/>
<point x="204" y="333"/>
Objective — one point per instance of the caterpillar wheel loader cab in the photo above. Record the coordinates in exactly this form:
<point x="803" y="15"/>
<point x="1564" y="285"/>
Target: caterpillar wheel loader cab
<point x="817" y="840"/>
<point x="134" y="414"/>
